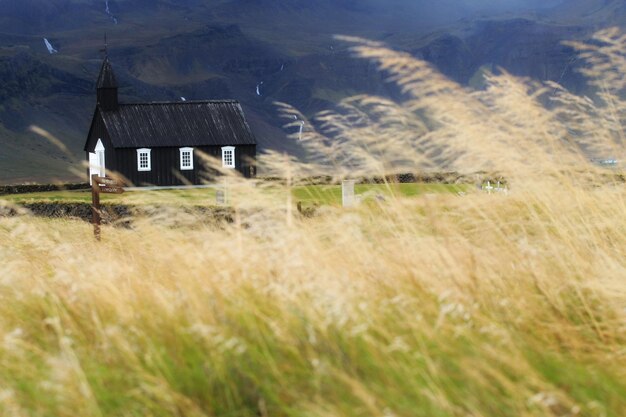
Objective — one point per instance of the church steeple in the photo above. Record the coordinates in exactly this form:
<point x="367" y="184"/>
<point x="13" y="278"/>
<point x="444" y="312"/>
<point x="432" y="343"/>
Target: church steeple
<point x="107" y="87"/>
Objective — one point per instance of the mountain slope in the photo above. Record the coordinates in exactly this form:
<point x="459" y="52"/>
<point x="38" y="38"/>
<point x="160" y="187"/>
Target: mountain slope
<point x="591" y="12"/>
<point x="256" y="51"/>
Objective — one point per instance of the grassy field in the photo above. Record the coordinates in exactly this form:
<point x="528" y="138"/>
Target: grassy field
<point x="446" y="305"/>
<point x="317" y="194"/>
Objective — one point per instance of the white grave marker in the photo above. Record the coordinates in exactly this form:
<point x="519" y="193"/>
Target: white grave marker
<point x="221" y="198"/>
<point x="347" y="193"/>
<point x="499" y="188"/>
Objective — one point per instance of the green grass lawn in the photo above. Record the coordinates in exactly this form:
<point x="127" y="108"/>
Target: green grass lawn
<point x="331" y="194"/>
<point x="313" y="194"/>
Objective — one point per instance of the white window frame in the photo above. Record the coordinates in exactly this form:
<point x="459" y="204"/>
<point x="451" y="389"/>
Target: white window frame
<point x="184" y="167"/>
<point x="144" y="151"/>
<point x="228" y="149"/>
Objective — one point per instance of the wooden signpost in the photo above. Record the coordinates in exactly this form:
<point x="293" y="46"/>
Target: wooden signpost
<point x="101" y="185"/>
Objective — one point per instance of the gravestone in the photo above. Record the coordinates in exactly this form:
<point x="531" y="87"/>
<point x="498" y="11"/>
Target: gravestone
<point x="220" y="197"/>
<point x="347" y="193"/>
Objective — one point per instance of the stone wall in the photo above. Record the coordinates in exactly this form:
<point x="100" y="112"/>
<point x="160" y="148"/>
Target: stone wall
<point x="122" y="214"/>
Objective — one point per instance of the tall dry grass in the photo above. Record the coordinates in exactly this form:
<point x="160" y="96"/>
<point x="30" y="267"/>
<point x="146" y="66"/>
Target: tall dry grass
<point x="443" y="305"/>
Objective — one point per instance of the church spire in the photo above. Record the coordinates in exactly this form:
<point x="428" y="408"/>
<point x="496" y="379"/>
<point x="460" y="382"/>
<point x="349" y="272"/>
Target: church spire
<point x="106" y="79"/>
<point x="107" y="84"/>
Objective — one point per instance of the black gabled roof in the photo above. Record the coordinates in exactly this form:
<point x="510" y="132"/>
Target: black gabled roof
<point x="106" y="79"/>
<point x="178" y="124"/>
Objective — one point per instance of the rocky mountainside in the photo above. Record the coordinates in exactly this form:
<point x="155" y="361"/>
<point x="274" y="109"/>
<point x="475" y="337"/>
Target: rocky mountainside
<point x="256" y="51"/>
<point x="598" y="13"/>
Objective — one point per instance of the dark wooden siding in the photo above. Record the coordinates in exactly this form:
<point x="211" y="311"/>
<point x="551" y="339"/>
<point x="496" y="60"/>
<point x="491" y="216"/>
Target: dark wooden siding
<point x="165" y="165"/>
<point x="165" y="161"/>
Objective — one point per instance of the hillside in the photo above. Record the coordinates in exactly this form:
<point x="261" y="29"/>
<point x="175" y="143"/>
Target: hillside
<point x="599" y="13"/>
<point x="164" y="50"/>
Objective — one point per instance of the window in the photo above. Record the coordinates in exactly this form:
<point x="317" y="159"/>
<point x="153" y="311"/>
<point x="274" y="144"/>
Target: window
<point x="228" y="157"/>
<point x="144" y="162"/>
<point x="186" y="159"/>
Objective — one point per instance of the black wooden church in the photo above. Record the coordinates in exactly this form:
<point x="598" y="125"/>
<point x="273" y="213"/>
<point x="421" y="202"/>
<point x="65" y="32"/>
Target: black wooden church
<point x="157" y="143"/>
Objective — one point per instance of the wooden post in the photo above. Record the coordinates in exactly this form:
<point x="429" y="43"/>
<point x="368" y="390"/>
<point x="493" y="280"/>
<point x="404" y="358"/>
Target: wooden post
<point x="95" y="206"/>
<point x="101" y="185"/>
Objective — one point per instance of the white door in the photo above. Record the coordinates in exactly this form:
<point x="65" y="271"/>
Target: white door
<point x="97" y="164"/>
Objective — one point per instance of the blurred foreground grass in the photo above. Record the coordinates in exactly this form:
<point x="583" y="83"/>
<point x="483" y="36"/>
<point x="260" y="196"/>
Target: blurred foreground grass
<point x="445" y="305"/>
